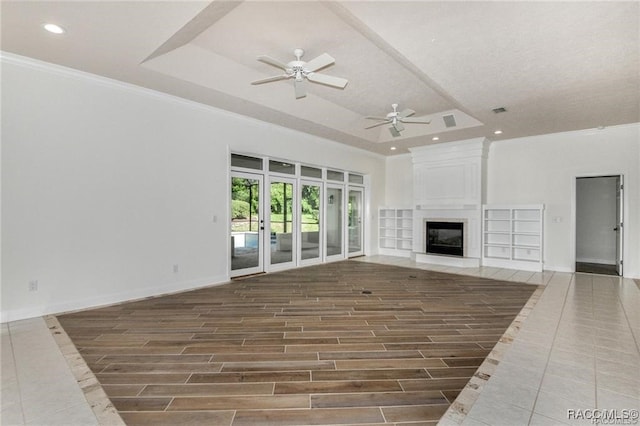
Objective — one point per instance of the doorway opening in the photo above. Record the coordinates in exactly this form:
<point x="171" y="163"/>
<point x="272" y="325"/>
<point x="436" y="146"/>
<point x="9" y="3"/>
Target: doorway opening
<point x="599" y="224"/>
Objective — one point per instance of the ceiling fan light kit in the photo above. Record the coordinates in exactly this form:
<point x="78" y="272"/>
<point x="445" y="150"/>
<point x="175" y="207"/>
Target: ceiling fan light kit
<point x="396" y="118"/>
<point x="302" y="71"/>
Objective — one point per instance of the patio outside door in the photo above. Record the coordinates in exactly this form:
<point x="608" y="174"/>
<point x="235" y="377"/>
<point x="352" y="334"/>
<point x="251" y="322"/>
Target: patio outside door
<point x="334" y="228"/>
<point x="281" y="245"/>
<point x="247" y="224"/>
<point x="310" y="245"/>
<point x="355" y="215"/>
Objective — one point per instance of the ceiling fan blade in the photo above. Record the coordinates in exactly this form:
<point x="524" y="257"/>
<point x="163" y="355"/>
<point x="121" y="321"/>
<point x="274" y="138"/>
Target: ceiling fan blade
<point x="271" y="61"/>
<point x="406" y="113"/>
<point x="270" y="79"/>
<point x="394" y="132"/>
<point x="370" y="117"/>
<point x="416" y="120"/>
<point x="398" y="126"/>
<point x="301" y="90"/>
<point x="376" y="125"/>
<point x="328" y="80"/>
<point x="320" y="62"/>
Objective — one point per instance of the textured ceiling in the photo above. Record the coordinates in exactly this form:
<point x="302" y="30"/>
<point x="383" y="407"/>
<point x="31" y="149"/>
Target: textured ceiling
<point x="555" y="66"/>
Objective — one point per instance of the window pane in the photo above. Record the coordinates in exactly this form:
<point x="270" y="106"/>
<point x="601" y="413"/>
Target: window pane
<point x="310" y="221"/>
<point x="245" y="223"/>
<point x="281" y="220"/>
<point x="334" y="221"/>
<point x="311" y="172"/>
<point x="354" y="209"/>
<point x="356" y="178"/>
<point x="245" y="162"/>
<point x="335" y="175"/>
<point x="282" y="167"/>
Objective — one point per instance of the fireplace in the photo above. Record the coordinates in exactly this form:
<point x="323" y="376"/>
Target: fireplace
<point x="445" y="238"/>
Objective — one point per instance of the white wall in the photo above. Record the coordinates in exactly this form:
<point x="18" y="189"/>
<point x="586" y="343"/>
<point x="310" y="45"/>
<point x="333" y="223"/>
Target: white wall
<point x="399" y="181"/>
<point x="543" y="169"/>
<point x="106" y="186"/>
<point x="596" y="217"/>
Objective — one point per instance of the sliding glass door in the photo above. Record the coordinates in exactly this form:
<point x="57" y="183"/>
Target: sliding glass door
<point x="355" y="207"/>
<point x="310" y="243"/>
<point x="334" y="234"/>
<point x="247" y="224"/>
<point x="285" y="214"/>
<point x="282" y="242"/>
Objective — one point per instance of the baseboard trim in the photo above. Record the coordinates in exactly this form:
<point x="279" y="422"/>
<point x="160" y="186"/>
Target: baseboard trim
<point x="107" y="300"/>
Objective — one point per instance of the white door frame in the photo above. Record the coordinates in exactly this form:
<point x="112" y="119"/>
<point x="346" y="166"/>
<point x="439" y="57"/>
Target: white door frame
<point x="620" y="226"/>
<point x="361" y="219"/>
<point x="260" y="267"/>
<point x="319" y="259"/>
<point x="269" y="267"/>
<point x="342" y="254"/>
<point x="574" y="213"/>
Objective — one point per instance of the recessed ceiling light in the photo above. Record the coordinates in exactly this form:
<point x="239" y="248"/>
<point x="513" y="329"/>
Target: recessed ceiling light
<point x="499" y="110"/>
<point x="53" y="28"/>
<point x="435" y="138"/>
<point x="393" y="148"/>
<point x="497" y="132"/>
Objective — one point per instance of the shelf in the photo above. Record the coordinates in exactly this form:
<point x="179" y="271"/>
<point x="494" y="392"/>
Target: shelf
<point x="512" y="236"/>
<point x="395" y="230"/>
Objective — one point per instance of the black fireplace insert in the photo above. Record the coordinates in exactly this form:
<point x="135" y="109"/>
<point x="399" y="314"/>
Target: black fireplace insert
<point x="445" y="238"/>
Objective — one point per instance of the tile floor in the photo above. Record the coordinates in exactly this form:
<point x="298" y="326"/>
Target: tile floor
<point x="578" y="348"/>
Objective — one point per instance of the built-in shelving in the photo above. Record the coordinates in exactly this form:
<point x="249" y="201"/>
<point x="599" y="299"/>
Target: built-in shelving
<point x="512" y="236"/>
<point x="395" y="231"/>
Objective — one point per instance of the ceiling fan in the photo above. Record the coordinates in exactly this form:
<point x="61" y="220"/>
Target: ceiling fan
<point x="300" y="71"/>
<point x="396" y="119"/>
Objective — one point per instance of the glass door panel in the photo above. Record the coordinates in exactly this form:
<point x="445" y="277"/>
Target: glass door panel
<point x="355" y="214"/>
<point x="310" y="222"/>
<point x="282" y="241"/>
<point x="334" y="223"/>
<point x="246" y="224"/>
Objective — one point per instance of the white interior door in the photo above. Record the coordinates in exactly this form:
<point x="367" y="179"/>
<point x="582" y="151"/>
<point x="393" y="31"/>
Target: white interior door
<point x="599" y="224"/>
<point x="619" y="225"/>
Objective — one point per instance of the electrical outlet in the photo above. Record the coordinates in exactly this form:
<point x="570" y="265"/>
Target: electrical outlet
<point x="33" y="285"/>
<point x="176" y="268"/>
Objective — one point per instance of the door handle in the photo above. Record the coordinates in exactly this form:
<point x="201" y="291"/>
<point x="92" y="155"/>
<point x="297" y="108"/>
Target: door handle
<point x="616" y="228"/>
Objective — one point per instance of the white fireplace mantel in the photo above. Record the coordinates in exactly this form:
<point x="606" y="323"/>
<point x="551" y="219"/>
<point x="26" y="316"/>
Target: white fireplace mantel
<point x="449" y="182"/>
<point x="450" y="175"/>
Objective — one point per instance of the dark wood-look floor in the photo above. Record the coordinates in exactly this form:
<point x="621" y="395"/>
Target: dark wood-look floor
<point x="341" y="343"/>
<point x="596" y="268"/>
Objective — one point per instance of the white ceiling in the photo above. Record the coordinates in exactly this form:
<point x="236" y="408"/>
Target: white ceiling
<point x="555" y="66"/>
